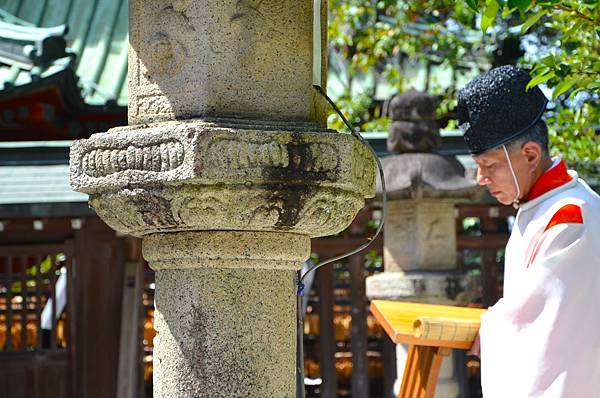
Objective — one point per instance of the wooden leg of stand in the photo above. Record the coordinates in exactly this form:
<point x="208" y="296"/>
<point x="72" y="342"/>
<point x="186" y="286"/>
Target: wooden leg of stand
<point x="421" y="371"/>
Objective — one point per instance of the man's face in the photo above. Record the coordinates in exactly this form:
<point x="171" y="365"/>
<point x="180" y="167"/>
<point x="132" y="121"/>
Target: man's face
<point x="494" y="172"/>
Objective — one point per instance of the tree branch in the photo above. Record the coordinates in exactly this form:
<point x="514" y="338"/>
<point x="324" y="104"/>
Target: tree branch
<point x="578" y="13"/>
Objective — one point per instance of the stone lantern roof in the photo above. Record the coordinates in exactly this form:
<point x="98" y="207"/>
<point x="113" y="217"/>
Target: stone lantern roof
<point x="427" y="175"/>
<point x="416" y="170"/>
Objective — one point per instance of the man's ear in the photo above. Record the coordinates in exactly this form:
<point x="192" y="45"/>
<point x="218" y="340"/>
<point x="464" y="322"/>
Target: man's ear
<point x="532" y="151"/>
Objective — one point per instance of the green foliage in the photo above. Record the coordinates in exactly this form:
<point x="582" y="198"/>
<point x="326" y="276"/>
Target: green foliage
<point x="573" y="137"/>
<point x="384" y="39"/>
<point x="568" y="62"/>
<point x="532" y="20"/>
<point x="489" y="15"/>
<point x="380" y="38"/>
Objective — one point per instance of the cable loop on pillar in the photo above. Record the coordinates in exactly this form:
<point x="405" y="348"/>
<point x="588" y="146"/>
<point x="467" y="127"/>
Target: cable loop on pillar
<point x="364" y="142"/>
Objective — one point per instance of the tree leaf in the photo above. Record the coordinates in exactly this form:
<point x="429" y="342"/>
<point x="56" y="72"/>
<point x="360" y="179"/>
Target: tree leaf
<point x="549" y="61"/>
<point x="523" y="5"/>
<point x="532" y="20"/>
<point x="574" y="92"/>
<point x="473" y="5"/>
<point x="562" y="87"/>
<point x="540" y="79"/>
<point x="507" y="11"/>
<point x="489" y="15"/>
<point x="548" y="2"/>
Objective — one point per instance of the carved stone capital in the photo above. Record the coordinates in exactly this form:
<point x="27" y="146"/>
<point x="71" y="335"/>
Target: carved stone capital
<point x="219" y="175"/>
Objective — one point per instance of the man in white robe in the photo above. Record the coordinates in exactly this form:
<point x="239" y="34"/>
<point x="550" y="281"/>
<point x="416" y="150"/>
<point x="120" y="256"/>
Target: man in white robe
<point x="542" y="339"/>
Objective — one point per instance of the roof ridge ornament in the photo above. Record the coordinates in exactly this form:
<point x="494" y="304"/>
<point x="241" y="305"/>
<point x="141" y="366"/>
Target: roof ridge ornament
<point x="30" y="46"/>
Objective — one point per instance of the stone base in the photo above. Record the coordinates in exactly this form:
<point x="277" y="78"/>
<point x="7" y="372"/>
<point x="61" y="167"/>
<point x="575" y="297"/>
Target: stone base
<point x="422" y="287"/>
<point x="226" y="209"/>
<point x="447" y="384"/>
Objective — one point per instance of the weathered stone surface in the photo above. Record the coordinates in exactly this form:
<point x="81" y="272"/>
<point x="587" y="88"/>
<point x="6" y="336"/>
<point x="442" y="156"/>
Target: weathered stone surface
<point x="422" y="287"/>
<point x="417" y="172"/>
<point x="200" y="175"/>
<point x="248" y="191"/>
<point x="413" y="127"/>
<point x="447" y="386"/>
<point x="427" y="175"/>
<point x="225" y="313"/>
<point x="305" y="210"/>
<point x="413" y="105"/>
<point x="246" y="59"/>
<point x="420" y="235"/>
<point x="413" y="136"/>
<point x="226" y="249"/>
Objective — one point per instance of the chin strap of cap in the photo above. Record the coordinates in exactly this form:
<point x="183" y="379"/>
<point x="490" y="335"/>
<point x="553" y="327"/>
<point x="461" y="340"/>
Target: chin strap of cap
<point x="512" y="171"/>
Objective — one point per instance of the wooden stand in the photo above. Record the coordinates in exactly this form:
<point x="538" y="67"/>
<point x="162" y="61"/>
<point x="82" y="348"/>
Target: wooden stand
<point x="421" y="371"/>
<point x="425" y="353"/>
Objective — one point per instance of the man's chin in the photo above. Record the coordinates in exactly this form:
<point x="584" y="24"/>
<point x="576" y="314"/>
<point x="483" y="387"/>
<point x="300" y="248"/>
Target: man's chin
<point x="503" y="199"/>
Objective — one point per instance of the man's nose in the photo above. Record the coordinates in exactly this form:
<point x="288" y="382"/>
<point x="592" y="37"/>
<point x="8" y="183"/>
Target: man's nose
<point x="481" y="180"/>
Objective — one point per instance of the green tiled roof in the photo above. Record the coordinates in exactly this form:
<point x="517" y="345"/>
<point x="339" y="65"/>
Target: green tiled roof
<point x="36" y="172"/>
<point x="97" y="36"/>
<point x="37" y="184"/>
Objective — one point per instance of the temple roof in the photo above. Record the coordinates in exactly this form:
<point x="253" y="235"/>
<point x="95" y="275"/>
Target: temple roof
<point x="97" y="35"/>
<point x="63" y="67"/>
<point x="34" y="180"/>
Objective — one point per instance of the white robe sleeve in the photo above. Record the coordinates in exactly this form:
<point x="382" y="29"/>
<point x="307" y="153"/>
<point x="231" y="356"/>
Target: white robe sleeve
<point x="542" y="341"/>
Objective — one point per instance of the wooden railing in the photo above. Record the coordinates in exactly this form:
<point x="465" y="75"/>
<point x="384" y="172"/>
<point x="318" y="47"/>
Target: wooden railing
<point x="35" y="329"/>
<point x="28" y="293"/>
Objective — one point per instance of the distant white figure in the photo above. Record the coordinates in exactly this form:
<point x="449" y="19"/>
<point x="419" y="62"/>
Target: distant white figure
<point x="61" y="300"/>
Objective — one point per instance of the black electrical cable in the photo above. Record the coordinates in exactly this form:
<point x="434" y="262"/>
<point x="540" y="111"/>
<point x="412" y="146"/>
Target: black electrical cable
<point x="360" y="138"/>
<point x="300" y="332"/>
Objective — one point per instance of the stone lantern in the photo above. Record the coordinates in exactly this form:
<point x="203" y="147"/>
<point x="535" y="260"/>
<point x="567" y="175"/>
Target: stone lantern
<point x="226" y="171"/>
<point x="423" y="188"/>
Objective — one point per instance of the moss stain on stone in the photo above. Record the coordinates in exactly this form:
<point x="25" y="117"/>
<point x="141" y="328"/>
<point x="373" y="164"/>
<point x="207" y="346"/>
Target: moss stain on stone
<point x="293" y="197"/>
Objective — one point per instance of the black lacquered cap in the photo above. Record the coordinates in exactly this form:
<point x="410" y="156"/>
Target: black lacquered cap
<point x="494" y="108"/>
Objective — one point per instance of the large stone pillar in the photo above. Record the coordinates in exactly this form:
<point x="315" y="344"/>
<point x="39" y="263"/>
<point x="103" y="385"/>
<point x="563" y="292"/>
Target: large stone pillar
<point x="225" y="312"/>
<point x="227" y="58"/>
<point x="226" y="171"/>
